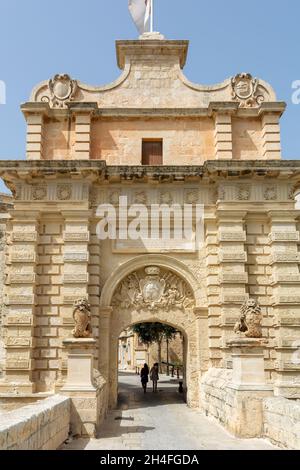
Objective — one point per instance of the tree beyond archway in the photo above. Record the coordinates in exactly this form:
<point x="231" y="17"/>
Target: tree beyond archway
<point x="150" y="333"/>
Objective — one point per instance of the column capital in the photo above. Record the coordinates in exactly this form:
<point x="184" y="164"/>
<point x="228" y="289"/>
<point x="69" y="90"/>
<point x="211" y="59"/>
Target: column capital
<point x="284" y="215"/>
<point x="25" y="215"/>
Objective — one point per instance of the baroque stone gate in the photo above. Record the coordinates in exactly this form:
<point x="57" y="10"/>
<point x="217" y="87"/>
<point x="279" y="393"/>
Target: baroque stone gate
<point x="219" y="147"/>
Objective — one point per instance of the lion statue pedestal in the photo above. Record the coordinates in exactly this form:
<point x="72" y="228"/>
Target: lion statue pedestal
<point x="248" y="387"/>
<point x="81" y="385"/>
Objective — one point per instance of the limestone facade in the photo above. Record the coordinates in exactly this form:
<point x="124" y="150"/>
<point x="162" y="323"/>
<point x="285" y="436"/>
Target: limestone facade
<point x="221" y="149"/>
<point x="5" y="205"/>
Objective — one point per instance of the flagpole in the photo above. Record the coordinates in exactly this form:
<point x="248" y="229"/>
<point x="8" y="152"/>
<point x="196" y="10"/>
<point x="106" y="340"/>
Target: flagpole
<point x="152" y="16"/>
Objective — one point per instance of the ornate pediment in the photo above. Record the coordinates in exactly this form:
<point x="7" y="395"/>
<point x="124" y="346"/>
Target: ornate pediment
<point x="153" y="289"/>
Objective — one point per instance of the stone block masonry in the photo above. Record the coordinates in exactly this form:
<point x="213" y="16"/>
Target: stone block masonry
<point x="41" y="426"/>
<point x="280" y="416"/>
<point x="282" y="422"/>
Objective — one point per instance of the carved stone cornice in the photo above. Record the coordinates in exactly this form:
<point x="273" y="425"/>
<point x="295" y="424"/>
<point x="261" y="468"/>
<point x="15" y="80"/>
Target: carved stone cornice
<point x="212" y="171"/>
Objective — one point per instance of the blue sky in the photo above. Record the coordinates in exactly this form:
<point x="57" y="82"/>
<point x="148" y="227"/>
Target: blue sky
<point x="39" y="38"/>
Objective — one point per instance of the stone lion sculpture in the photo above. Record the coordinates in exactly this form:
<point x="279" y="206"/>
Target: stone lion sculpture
<point x="82" y="318"/>
<point x="250" y="322"/>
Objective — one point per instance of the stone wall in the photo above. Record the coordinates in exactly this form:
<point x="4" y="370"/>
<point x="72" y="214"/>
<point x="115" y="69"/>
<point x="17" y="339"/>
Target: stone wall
<point x="215" y="400"/>
<point x="184" y="140"/>
<point x="5" y="205"/>
<point x="280" y="416"/>
<point x="282" y="422"/>
<point x="42" y="426"/>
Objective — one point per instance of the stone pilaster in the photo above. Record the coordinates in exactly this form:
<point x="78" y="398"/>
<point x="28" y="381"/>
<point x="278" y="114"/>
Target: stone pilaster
<point x="83" y="120"/>
<point x="271" y="145"/>
<point x="35" y="114"/>
<point x="76" y="258"/>
<point x="75" y="275"/>
<point x="233" y="277"/>
<point x="285" y="260"/>
<point x="222" y="113"/>
<point x="213" y="291"/>
<point x="105" y="314"/>
<point x="201" y="315"/>
<point x="20" y="298"/>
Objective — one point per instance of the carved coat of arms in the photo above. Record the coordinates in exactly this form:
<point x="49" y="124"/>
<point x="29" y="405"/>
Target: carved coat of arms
<point x="245" y="90"/>
<point x="62" y="89"/>
<point x="153" y="290"/>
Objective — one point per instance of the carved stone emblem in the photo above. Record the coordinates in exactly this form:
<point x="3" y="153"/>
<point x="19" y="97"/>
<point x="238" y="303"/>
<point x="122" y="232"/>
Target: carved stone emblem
<point x="140" y="198"/>
<point x="245" y="90"/>
<point x="166" y="198"/>
<point x="114" y="198"/>
<point x="250" y="323"/>
<point x="39" y="193"/>
<point x="192" y="197"/>
<point x="82" y="318"/>
<point x="153" y="289"/>
<point x="62" y="89"/>
<point x="64" y="192"/>
<point x="270" y="193"/>
<point x="243" y="193"/>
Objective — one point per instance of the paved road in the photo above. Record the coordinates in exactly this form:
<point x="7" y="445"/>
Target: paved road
<point x="160" y="421"/>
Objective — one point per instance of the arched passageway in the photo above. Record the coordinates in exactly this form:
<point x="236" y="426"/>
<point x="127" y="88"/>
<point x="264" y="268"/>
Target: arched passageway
<point x="150" y="289"/>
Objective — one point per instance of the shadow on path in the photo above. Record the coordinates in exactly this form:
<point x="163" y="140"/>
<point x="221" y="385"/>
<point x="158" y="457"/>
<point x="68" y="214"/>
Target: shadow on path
<point x="131" y="395"/>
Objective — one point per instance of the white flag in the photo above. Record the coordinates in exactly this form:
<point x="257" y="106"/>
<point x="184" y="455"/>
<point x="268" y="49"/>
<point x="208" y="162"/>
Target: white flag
<point x="140" y="11"/>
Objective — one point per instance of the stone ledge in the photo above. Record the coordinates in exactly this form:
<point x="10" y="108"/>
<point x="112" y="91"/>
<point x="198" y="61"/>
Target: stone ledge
<point x="35" y="427"/>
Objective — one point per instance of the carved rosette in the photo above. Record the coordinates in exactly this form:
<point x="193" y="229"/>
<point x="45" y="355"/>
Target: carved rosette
<point x="243" y="193"/>
<point x="140" y="198"/>
<point x="166" y="198"/>
<point x="114" y="198"/>
<point x="192" y="197"/>
<point x="62" y="90"/>
<point x="39" y="193"/>
<point x="245" y="90"/>
<point x="270" y="193"/>
<point x="64" y="192"/>
<point x="153" y="289"/>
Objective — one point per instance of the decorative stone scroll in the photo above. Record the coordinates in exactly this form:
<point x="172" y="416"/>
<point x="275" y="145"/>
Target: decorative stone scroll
<point x="153" y="289"/>
<point x="62" y="89"/>
<point x="250" y="323"/>
<point x="245" y="90"/>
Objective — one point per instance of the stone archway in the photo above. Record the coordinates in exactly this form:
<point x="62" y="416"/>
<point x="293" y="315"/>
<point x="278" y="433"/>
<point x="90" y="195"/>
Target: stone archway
<point x="153" y="288"/>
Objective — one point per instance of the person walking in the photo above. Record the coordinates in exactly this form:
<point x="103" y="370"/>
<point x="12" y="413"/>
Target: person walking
<point x="144" y="377"/>
<point x="154" y="376"/>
